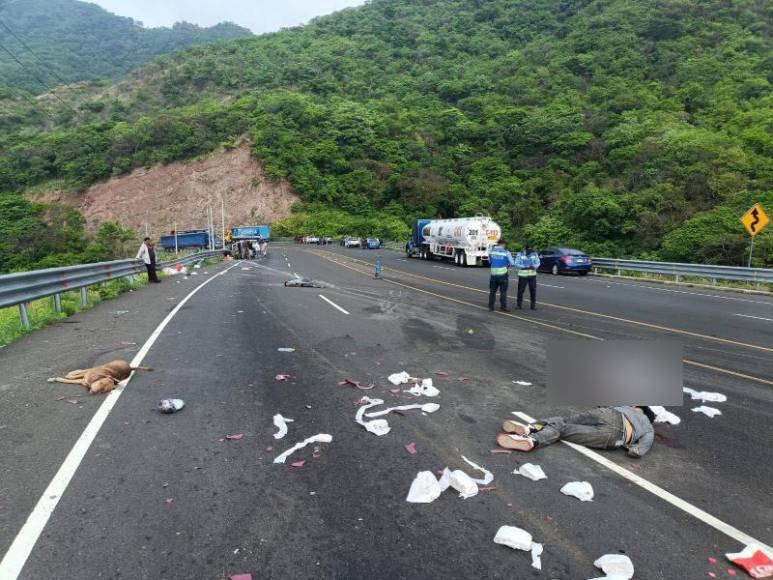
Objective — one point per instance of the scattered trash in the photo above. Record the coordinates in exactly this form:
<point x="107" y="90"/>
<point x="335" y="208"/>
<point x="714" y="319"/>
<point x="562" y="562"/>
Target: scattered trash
<point x="355" y="384"/>
<point x="754" y="561"/>
<point x="615" y="565"/>
<point x="663" y="416"/>
<point x="488" y="477"/>
<point x="320" y="438"/>
<point x="710" y="412"/>
<point x="445" y="479"/>
<point x="536" y="555"/>
<point x="487" y="488"/>
<point x="426" y="408"/>
<point x="464" y="484"/>
<point x="523" y="383"/>
<point x="712" y="560"/>
<point x="234" y="437"/>
<point x="378" y="427"/>
<point x="505" y="451"/>
<point x="462" y="379"/>
<point x="533" y="472"/>
<point x="286" y="349"/>
<point x="298" y="464"/>
<point x="169" y="500"/>
<point x="240" y="576"/>
<point x="582" y="490"/>
<point x="246" y="268"/>
<point x="426" y="388"/>
<point x="281" y="424"/>
<point x="306" y="283"/>
<point x="282" y="377"/>
<point x="177" y="269"/>
<point x="514" y="538"/>
<point x="441" y="373"/>
<point x="119" y="312"/>
<point x="424" y="489"/>
<point x="470" y="331"/>
<point x="169" y="406"/>
<point x="705" y="396"/>
<point x="399" y="378"/>
<point x="410" y="448"/>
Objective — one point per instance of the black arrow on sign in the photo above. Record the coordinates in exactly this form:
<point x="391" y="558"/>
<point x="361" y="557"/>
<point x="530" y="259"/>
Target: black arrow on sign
<point x="753" y="225"/>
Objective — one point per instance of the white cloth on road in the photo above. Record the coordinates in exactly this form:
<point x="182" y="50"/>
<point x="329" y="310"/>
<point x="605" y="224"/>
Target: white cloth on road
<point x="319" y="438"/>
<point x="710" y="412"/>
<point x="281" y="424"/>
<point x="664" y="416"/>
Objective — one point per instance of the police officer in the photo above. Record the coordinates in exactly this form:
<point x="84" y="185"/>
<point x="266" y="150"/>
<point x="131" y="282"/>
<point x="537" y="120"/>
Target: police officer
<point x="499" y="259"/>
<point x="527" y="262"/>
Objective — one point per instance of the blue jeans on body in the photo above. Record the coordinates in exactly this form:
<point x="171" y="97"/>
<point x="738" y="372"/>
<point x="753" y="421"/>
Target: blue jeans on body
<point x="501" y="283"/>
<point x="600" y="428"/>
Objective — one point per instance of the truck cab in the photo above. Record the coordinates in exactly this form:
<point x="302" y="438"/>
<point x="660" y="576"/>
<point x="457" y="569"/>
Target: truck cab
<point x="416" y="241"/>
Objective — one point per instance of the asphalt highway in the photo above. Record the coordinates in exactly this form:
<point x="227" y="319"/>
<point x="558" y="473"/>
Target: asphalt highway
<point x="169" y="496"/>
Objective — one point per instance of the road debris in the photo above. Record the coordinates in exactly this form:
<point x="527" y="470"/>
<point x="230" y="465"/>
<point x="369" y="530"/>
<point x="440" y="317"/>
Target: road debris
<point x="514" y="538"/>
<point x="425" y="388"/>
<point x="399" y="378"/>
<point x="663" y="416"/>
<point x="282" y="377"/>
<point x="503" y="451"/>
<point x="425" y="408"/>
<point x="536" y="555"/>
<point x="533" y="472"/>
<point x="169" y="406"/>
<point x="754" y="561"/>
<point x="710" y="412"/>
<point x="281" y="424"/>
<point x="487" y="478"/>
<point x="298" y="464"/>
<point x="240" y="576"/>
<point x="319" y="438"/>
<point x="464" y="484"/>
<point x="234" y="437"/>
<point x="615" y="566"/>
<point x="169" y="500"/>
<point x="582" y="490"/>
<point x="705" y="396"/>
<point x="306" y="283"/>
<point x="410" y="448"/>
<point x="522" y="383"/>
<point x="378" y="427"/>
<point x="424" y="489"/>
<point x="441" y="373"/>
<point x="286" y="349"/>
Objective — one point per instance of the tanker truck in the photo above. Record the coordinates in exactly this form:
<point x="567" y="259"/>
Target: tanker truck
<point x="466" y="241"/>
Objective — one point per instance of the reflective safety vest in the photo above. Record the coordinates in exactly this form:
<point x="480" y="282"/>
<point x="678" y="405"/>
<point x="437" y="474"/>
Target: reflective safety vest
<point x="523" y="261"/>
<point x="500" y="259"/>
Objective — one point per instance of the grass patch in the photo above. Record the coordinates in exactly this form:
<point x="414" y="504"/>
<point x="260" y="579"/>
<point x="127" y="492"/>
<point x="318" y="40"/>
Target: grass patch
<point x="41" y="312"/>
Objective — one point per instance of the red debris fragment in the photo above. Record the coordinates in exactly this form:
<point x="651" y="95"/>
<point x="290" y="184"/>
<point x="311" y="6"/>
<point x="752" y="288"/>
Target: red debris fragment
<point x="401" y="413"/>
<point x="754" y="561"/>
<point x="349" y="382"/>
<point x="410" y="448"/>
<point x="269" y="448"/>
<point x="712" y="575"/>
<point x="394" y="391"/>
<point x="298" y="464"/>
<point x="462" y="379"/>
<point x="487" y="488"/>
<point x="712" y="560"/>
<point x="282" y="377"/>
<point x="234" y="437"/>
<point x="169" y="500"/>
<point x="505" y="451"/>
<point x="240" y="577"/>
<point x="441" y="373"/>
<point x="731" y="572"/>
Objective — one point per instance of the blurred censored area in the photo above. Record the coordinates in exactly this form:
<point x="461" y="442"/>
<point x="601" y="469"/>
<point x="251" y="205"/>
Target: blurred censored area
<point x="614" y="372"/>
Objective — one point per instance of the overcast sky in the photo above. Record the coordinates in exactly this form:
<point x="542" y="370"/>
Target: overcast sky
<point x="257" y="15"/>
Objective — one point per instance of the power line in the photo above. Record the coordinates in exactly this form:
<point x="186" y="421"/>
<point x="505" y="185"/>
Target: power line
<point x="32" y="52"/>
<point x="24" y="68"/>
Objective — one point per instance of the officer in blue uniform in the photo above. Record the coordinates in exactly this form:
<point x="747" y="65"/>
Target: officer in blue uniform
<point x="526" y="263"/>
<point x="499" y="259"/>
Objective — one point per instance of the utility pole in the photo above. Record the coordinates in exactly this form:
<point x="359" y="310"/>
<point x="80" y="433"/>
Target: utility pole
<point x="175" y="238"/>
<point x="222" y="218"/>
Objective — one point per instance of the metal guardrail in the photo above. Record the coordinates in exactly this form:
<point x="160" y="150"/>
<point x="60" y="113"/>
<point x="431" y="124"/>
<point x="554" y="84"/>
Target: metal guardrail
<point x="678" y="270"/>
<point x="23" y="287"/>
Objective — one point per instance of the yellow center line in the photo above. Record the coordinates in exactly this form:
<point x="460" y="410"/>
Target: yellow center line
<point x="529" y="320"/>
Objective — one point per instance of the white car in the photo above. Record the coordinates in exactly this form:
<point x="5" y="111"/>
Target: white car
<point x="311" y="240"/>
<point x="352" y="243"/>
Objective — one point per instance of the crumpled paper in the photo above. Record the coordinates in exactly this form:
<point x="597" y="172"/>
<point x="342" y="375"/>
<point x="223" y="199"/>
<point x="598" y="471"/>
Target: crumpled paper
<point x="425" y="388"/>
<point x="281" y="424"/>
<point x="710" y="412"/>
<point x="705" y="396"/>
<point x="533" y="472"/>
<point x="399" y="378"/>
<point x="464" y="484"/>
<point x="319" y="438"/>
<point x="582" y="490"/>
<point x="754" y="561"/>
<point x="424" y="489"/>
<point x="615" y="565"/>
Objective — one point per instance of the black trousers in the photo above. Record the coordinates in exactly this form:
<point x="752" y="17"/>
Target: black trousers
<point x="501" y="283"/>
<point x="531" y="282"/>
<point x="152" y="277"/>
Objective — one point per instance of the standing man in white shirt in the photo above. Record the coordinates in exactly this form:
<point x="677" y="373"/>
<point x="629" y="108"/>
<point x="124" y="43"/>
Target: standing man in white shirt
<point x="147" y="254"/>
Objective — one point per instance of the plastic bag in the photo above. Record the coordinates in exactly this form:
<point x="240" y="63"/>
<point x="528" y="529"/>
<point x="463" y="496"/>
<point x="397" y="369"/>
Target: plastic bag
<point x="663" y="416"/>
<point x="399" y="378"/>
<point x="710" y="412"/>
<point x="169" y="406"/>
<point x="705" y="396"/>
<point x="615" y="565"/>
<point x="464" y="484"/>
<point x="424" y="489"/>
<point x="754" y="561"/>
<point x="533" y="472"/>
<point x="281" y="424"/>
<point x="582" y="490"/>
<point x="513" y="537"/>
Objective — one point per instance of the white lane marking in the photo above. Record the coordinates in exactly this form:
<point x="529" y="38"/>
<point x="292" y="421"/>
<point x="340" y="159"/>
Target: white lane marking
<point x="551" y="285"/>
<point x="757" y="317"/>
<point x="675" y="501"/>
<point x="25" y="540"/>
<point x="333" y="304"/>
<point x="685" y="292"/>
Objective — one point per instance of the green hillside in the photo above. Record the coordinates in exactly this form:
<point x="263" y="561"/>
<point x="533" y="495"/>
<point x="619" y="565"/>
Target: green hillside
<point x="625" y="127"/>
<point x="64" y="41"/>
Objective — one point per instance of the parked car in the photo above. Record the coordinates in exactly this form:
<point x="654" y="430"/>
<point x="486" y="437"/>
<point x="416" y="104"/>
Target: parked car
<point x="310" y="240"/>
<point x="326" y="240"/>
<point x="350" y="242"/>
<point x="564" y="260"/>
<point x="372" y="244"/>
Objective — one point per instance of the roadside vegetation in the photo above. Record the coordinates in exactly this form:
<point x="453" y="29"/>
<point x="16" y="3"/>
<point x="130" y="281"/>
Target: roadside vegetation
<point x="627" y="128"/>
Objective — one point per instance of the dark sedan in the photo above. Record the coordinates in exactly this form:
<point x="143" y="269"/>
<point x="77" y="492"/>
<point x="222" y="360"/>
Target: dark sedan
<point x="564" y="260"/>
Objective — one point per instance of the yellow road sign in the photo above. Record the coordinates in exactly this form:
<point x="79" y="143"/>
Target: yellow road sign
<point x="755" y="220"/>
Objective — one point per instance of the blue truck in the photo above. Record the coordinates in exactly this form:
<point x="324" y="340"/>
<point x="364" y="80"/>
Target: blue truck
<point x="186" y="239"/>
<point x="250" y="233"/>
<point x="416" y="241"/>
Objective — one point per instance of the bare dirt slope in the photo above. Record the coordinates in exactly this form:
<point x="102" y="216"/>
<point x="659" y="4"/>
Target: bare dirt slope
<point x="181" y="192"/>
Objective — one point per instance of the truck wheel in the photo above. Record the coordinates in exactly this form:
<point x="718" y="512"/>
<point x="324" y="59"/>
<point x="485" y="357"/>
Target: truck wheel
<point x="554" y="270"/>
<point x="463" y="258"/>
<point x="458" y="258"/>
<point x="408" y="253"/>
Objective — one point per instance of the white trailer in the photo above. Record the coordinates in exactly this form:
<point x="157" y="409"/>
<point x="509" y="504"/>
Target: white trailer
<point x="466" y="241"/>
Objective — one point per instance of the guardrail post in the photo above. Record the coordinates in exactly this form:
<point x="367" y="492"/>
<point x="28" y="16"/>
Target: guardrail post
<point x="84" y="296"/>
<point x="24" y="315"/>
<point x="57" y="302"/>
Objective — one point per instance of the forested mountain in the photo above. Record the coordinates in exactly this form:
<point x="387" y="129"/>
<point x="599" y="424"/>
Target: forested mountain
<point x="64" y="41"/>
<point x="626" y="127"/>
